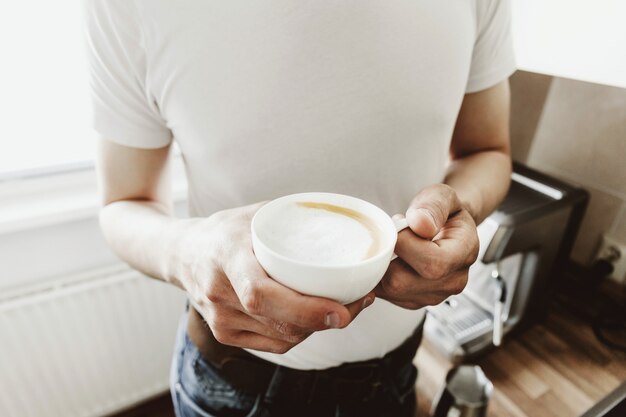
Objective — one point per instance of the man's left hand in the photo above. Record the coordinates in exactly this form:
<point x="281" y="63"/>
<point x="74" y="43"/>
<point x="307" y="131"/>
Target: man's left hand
<point x="434" y="256"/>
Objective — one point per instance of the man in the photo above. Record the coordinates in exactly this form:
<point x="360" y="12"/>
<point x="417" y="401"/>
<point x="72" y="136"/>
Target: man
<point x="404" y="104"/>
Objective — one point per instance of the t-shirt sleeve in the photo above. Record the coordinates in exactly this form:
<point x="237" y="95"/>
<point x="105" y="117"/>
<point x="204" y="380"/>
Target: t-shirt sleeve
<point x="124" y="110"/>
<point x="493" y="59"/>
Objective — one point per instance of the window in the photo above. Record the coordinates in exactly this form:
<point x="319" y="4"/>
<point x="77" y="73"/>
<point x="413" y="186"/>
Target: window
<point x="44" y="87"/>
<point x="578" y="39"/>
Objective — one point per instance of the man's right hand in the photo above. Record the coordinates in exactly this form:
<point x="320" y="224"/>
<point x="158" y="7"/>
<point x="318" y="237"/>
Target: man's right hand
<point x="212" y="259"/>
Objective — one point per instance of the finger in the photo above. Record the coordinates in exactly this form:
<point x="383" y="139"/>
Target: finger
<point x="283" y="327"/>
<point x="224" y="322"/>
<point x="223" y="296"/>
<point x="250" y="340"/>
<point x="288" y="329"/>
<point x="431" y="296"/>
<point x="430" y="209"/>
<point x="456" y="247"/>
<point x="220" y="292"/>
<point x="400" y="283"/>
<point x="260" y="295"/>
<point x="271" y="328"/>
<point x="361" y="304"/>
<point x="403" y="287"/>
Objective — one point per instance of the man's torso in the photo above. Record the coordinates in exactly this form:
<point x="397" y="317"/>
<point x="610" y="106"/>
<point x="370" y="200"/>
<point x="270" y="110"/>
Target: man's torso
<point x="272" y="98"/>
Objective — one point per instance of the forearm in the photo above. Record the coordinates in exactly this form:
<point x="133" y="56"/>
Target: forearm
<point x="481" y="180"/>
<point x="144" y="234"/>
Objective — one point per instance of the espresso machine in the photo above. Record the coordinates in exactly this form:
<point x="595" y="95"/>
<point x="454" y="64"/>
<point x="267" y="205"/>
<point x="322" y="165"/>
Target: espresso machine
<point x="523" y="244"/>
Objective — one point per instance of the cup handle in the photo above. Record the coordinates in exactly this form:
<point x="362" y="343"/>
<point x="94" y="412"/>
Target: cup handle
<point x="400" y="224"/>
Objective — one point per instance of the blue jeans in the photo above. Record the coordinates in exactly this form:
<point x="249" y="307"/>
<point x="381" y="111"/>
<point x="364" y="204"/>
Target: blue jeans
<point x="198" y="390"/>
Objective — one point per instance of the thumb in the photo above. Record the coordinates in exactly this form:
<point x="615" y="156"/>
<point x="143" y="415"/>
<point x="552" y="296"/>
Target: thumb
<point x="430" y="209"/>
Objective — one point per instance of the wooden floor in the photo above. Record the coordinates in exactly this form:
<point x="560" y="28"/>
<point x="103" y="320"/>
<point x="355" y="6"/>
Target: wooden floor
<point x="557" y="369"/>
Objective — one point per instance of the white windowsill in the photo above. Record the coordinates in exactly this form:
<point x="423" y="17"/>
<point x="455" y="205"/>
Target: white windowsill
<point x="31" y="203"/>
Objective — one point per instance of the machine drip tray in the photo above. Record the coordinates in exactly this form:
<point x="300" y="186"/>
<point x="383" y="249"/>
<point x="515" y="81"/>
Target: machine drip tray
<point x="463" y="318"/>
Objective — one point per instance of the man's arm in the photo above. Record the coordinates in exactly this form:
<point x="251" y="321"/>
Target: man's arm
<point x="435" y="255"/>
<point x="136" y="217"/>
<point x="480" y="151"/>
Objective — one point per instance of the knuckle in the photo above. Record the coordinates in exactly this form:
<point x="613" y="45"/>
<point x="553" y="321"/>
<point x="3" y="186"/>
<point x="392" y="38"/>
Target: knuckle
<point x="440" y="211"/>
<point x="213" y="294"/>
<point x="219" y="321"/>
<point x="281" y="348"/>
<point x="252" y="298"/>
<point x="443" y="188"/>
<point x="222" y="336"/>
<point x="456" y="289"/>
<point x="459" y="284"/>
<point x="286" y="329"/>
<point x="450" y="195"/>
<point x="434" y="269"/>
<point x="200" y="302"/>
<point x="445" y="197"/>
<point x="412" y="305"/>
<point x="474" y="249"/>
<point x="433" y="299"/>
<point x="215" y="298"/>
<point x="215" y="324"/>
<point x="306" y="319"/>
<point x="393" y="284"/>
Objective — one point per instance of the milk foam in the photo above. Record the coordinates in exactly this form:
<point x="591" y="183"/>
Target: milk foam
<point x="318" y="236"/>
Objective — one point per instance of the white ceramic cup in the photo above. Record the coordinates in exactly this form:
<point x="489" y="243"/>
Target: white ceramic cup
<point x="342" y="283"/>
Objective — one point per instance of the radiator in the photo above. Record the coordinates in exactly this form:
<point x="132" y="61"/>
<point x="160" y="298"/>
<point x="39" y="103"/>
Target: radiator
<point x="87" y="345"/>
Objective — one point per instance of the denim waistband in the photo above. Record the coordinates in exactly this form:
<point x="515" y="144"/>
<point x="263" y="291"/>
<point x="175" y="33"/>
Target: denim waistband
<point x="252" y="374"/>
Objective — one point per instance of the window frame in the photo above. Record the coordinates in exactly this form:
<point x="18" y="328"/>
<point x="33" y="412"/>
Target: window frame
<point x="41" y="197"/>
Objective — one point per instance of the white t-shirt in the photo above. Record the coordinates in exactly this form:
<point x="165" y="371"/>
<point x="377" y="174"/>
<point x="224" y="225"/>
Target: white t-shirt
<point x="270" y="98"/>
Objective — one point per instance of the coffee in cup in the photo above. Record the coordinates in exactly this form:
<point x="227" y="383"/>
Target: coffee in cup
<point x="323" y="233"/>
<point x="324" y="244"/>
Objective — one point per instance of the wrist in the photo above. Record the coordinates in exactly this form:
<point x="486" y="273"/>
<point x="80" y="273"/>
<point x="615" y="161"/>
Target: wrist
<point x="176" y="242"/>
<point x="470" y="199"/>
<point x="472" y="207"/>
